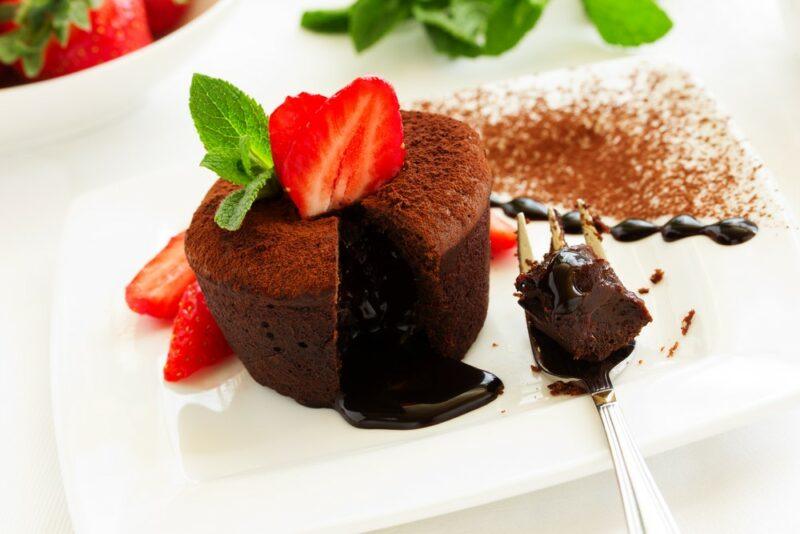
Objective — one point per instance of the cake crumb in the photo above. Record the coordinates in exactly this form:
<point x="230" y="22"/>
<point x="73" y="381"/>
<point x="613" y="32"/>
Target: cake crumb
<point x="641" y="362"/>
<point x="672" y="349"/>
<point x="661" y="349"/>
<point x="502" y="411"/>
<point x="657" y="276"/>
<point x="494" y="344"/>
<point x="535" y="370"/>
<point x="687" y="322"/>
<point x="643" y="291"/>
<point x="572" y="388"/>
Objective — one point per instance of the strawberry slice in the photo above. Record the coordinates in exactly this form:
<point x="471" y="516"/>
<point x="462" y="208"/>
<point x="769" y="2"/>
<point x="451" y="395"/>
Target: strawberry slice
<point x="197" y="341"/>
<point x="158" y="287"/>
<point x="351" y="146"/>
<point x="288" y="121"/>
<point x="502" y="235"/>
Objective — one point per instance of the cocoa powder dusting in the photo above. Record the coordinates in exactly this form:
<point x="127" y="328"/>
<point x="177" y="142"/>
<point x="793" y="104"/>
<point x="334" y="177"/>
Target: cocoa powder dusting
<point x="645" y="142"/>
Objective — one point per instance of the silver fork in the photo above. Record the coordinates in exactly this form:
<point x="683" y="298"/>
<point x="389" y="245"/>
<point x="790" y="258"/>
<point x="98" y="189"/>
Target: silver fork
<point x="645" y="508"/>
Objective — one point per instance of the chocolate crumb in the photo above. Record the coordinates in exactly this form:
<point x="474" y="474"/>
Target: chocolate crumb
<point x="573" y="388"/>
<point x="661" y="349"/>
<point x="687" y="322"/>
<point x="494" y="345"/>
<point x="643" y="291"/>
<point x="502" y="411"/>
<point x="672" y="349"/>
<point x="535" y="370"/>
<point x="657" y="276"/>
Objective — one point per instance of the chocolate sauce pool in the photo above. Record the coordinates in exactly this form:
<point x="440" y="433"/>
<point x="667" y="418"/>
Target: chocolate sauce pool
<point x="733" y="231"/>
<point x="412" y="390"/>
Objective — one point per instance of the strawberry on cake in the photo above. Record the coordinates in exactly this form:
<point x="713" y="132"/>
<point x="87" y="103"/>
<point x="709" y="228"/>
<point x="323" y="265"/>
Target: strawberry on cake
<point x="343" y="234"/>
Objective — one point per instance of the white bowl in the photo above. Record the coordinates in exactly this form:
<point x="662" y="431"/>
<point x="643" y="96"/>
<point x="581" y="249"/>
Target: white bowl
<point x="43" y="111"/>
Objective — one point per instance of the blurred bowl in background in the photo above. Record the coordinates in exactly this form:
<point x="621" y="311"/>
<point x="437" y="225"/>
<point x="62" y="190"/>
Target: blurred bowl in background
<point x="47" y="110"/>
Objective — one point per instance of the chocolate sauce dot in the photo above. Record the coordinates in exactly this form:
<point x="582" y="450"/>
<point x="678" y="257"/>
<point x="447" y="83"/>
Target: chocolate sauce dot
<point x="571" y="221"/>
<point x="634" y="230"/>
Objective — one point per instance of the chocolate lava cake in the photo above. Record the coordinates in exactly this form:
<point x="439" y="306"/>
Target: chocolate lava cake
<point x="299" y="300"/>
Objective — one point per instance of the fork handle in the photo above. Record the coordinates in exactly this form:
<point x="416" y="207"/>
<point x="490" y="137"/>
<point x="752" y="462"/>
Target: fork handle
<point x="645" y="508"/>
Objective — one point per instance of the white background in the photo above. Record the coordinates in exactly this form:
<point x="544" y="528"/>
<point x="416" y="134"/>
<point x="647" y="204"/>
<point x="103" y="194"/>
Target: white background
<point x="747" y="52"/>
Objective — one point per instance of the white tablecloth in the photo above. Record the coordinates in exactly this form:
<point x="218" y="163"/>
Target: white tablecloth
<point x="747" y="480"/>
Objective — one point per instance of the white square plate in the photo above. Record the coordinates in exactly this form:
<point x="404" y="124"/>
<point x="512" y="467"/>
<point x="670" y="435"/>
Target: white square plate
<point x="220" y="453"/>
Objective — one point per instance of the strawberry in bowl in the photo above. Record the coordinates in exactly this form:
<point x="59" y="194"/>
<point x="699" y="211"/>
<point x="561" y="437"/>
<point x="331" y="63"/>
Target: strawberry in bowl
<point x="44" y="39"/>
<point x="101" y="64"/>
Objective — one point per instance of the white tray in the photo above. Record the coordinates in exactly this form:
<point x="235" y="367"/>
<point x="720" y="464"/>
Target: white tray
<point x="221" y="453"/>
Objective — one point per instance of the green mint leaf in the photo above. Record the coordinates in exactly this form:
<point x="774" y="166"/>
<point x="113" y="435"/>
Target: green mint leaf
<point x="233" y="208"/>
<point x="223" y="115"/>
<point x="372" y="19"/>
<point x="478" y="27"/>
<point x="227" y="165"/>
<point x="509" y="22"/>
<point x="462" y="20"/>
<point x="327" y="20"/>
<point x="628" y="22"/>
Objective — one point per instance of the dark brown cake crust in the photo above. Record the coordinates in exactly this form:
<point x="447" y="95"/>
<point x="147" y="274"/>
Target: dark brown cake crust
<point x="273" y="284"/>
<point x="577" y="300"/>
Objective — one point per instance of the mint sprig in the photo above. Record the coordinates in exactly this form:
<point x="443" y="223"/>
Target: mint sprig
<point x="235" y="132"/>
<point x="472" y="28"/>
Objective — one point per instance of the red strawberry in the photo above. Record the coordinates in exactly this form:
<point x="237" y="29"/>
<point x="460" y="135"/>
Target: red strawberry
<point x="350" y="147"/>
<point x="158" y="287"/>
<point x="502" y="234"/>
<point x="117" y="28"/>
<point x="287" y="121"/>
<point x="197" y="341"/>
<point x="165" y="15"/>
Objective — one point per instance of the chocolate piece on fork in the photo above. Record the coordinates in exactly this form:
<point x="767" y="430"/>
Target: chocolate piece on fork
<point x="575" y="297"/>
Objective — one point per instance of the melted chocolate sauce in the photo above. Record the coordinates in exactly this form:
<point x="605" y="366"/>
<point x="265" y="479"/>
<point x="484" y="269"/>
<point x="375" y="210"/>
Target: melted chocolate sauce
<point x="733" y="231"/>
<point x="561" y="280"/>
<point x="412" y="390"/>
<point x="390" y="378"/>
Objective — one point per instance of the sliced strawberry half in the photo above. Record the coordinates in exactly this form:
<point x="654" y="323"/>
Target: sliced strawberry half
<point x="158" y="287"/>
<point x="288" y="121"/>
<point x="351" y="146"/>
<point x="197" y="341"/>
<point x="502" y="234"/>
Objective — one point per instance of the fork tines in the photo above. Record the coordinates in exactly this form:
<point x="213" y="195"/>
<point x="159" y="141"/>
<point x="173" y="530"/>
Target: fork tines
<point x="590" y="234"/>
<point x="557" y="241"/>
